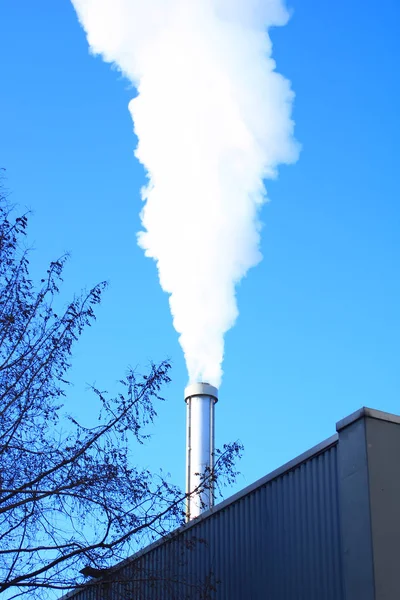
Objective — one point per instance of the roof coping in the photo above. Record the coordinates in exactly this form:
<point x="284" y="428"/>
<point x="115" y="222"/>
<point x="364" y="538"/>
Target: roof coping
<point x="364" y="412"/>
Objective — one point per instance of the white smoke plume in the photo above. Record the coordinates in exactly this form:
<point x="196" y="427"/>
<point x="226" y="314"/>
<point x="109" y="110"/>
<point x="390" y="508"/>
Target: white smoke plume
<point x="213" y="120"/>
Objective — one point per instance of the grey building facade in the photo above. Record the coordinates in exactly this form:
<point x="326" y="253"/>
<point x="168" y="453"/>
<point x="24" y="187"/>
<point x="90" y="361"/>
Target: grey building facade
<point x="325" y="526"/>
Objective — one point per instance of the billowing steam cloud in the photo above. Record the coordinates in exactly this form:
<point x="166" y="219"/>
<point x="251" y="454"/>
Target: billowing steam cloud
<point x="213" y="119"/>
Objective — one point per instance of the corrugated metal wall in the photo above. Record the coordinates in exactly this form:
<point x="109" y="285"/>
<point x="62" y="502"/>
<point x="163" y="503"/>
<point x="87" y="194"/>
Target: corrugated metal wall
<point x="281" y="541"/>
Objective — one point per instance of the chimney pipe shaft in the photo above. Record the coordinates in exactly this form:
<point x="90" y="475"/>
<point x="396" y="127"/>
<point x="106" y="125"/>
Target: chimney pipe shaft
<point x="200" y="399"/>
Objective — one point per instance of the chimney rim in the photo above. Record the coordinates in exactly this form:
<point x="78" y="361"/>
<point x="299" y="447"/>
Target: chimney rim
<point x="201" y="388"/>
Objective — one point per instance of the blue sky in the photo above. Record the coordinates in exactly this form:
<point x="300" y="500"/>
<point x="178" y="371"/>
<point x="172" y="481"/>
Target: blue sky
<point x="318" y="331"/>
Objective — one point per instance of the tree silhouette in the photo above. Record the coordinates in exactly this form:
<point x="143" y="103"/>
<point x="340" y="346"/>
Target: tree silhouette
<point x="71" y="501"/>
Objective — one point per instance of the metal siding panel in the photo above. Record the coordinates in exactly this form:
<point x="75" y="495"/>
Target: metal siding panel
<point x="358" y="560"/>
<point x="383" y="448"/>
<point x="281" y="541"/>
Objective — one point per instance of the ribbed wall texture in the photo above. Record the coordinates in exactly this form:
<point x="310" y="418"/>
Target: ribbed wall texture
<point x="280" y="541"/>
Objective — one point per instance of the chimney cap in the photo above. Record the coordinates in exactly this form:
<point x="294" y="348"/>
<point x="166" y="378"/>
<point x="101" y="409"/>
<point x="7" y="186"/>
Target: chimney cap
<point x="201" y="389"/>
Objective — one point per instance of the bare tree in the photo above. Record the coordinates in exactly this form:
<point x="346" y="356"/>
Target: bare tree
<point x="70" y="496"/>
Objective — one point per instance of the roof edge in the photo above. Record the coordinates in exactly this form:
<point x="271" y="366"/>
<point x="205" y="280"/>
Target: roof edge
<point x="364" y="412"/>
<point x="295" y="462"/>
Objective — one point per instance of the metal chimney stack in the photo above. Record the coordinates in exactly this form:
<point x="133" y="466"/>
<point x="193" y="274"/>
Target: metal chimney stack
<point x="200" y="399"/>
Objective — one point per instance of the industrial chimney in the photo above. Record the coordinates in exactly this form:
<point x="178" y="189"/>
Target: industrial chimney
<point x="200" y="399"/>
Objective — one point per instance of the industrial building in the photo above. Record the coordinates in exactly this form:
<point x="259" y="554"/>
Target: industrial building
<point x="325" y="526"/>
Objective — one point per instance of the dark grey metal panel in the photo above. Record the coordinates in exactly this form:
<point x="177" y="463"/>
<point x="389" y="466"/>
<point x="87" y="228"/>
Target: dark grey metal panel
<point x="383" y="448"/>
<point x="358" y="573"/>
<point x="280" y="541"/>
